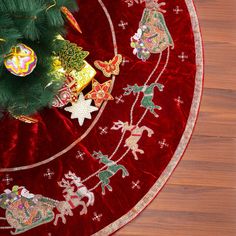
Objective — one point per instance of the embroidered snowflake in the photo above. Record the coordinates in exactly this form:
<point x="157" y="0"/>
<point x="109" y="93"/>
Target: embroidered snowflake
<point x="81" y="109"/>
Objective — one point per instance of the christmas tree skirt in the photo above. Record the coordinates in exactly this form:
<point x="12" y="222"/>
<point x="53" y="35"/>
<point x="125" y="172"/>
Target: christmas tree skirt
<point x="68" y="174"/>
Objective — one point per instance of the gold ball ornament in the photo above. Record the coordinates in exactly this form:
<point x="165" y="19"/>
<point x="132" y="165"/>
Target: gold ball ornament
<point x="21" y="61"/>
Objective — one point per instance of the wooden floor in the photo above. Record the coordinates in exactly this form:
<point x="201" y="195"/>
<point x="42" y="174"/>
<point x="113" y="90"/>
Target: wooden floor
<point x="200" y="197"/>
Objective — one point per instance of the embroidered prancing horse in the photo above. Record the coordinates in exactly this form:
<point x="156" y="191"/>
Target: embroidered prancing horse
<point x="112" y="169"/>
<point x="135" y="136"/>
<point x="148" y="91"/>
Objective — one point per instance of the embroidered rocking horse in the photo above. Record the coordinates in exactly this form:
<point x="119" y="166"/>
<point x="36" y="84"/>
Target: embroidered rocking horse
<point x="148" y="92"/>
<point x="135" y="136"/>
<point x="112" y="169"/>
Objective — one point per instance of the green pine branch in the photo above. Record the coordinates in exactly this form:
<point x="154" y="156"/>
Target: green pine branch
<point x="35" y="23"/>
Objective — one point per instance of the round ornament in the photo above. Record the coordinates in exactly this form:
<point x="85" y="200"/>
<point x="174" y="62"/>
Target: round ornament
<point x="63" y="97"/>
<point x="21" y="61"/>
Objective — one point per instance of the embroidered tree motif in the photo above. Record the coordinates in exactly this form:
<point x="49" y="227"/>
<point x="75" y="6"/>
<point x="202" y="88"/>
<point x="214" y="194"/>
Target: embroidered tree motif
<point x="70" y="55"/>
<point x="148" y="92"/>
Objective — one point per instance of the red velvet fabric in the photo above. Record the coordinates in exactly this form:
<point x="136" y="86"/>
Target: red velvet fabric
<point x="24" y="144"/>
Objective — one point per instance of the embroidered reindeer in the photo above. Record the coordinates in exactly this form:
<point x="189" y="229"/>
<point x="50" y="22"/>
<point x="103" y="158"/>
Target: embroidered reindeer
<point x="112" y="169"/>
<point x="148" y="92"/>
<point x="136" y="134"/>
<point x="73" y="198"/>
<point x="82" y="191"/>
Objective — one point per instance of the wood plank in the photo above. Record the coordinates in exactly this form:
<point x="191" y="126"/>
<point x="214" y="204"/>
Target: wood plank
<point x="171" y="199"/>
<point x="210" y="174"/>
<point x="179" y="223"/>
<point x="218" y="114"/>
<point x="214" y="149"/>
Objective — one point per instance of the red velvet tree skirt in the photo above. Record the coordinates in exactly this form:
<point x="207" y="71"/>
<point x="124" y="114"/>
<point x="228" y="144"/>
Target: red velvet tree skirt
<point x="94" y="179"/>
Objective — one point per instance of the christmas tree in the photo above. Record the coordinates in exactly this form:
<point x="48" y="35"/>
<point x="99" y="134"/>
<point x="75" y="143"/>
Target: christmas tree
<point x="31" y="26"/>
<point x="71" y="56"/>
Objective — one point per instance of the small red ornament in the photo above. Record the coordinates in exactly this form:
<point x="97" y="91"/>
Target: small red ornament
<point x="63" y="97"/>
<point x="71" y="19"/>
